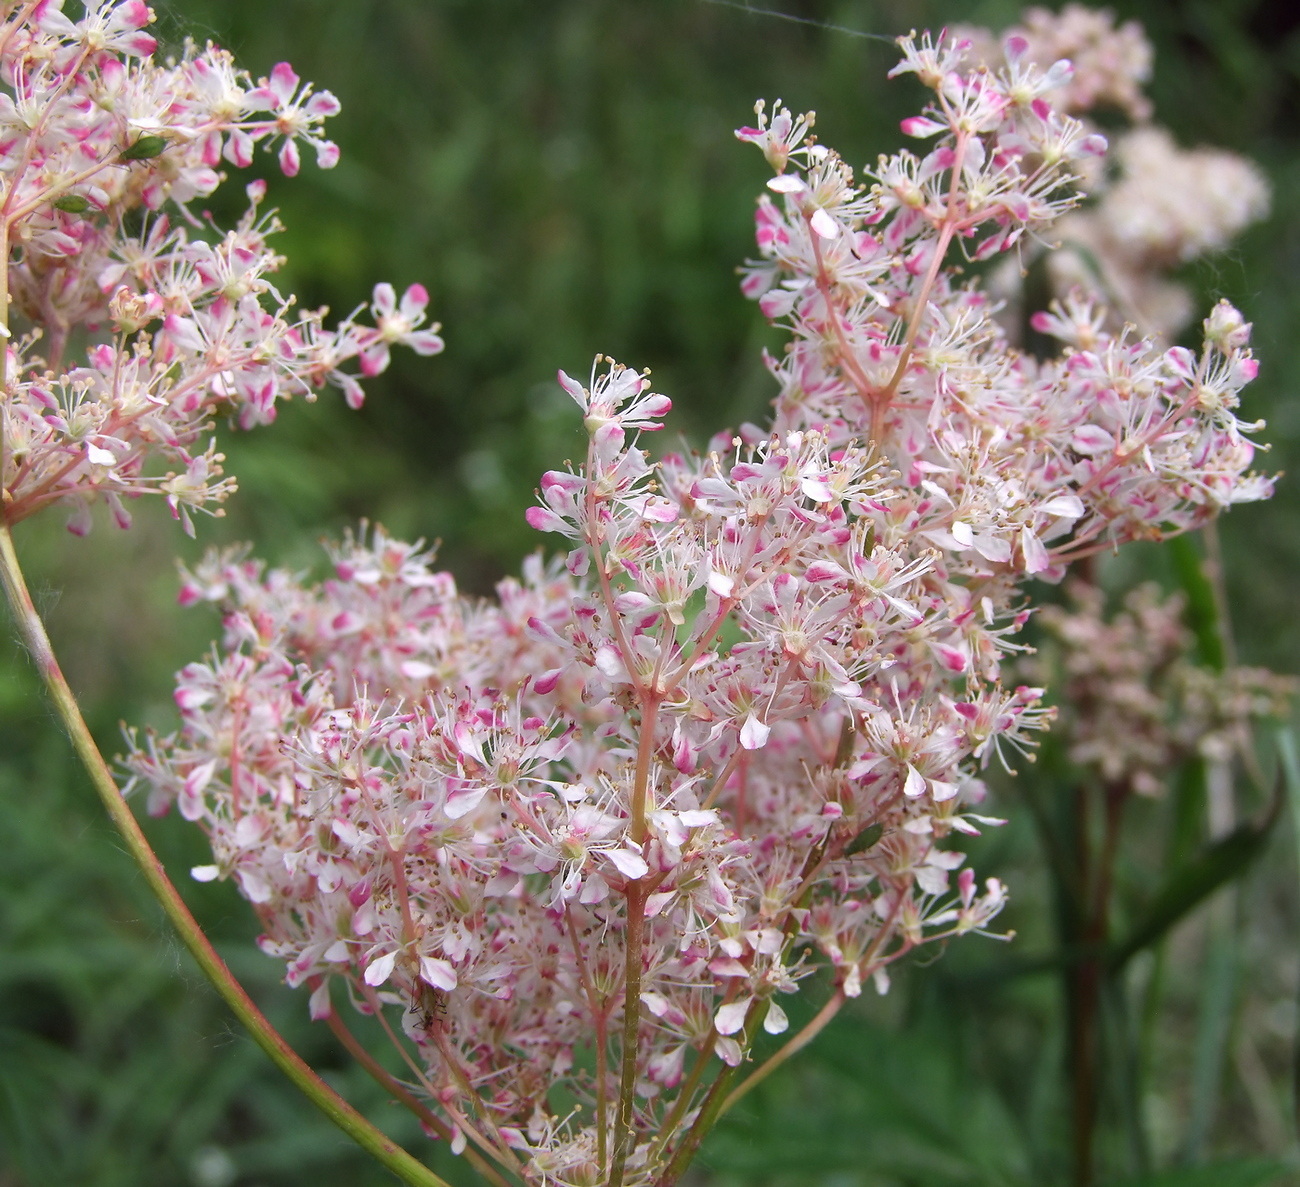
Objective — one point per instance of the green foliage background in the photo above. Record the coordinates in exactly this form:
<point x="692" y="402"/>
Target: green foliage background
<point x="564" y="179"/>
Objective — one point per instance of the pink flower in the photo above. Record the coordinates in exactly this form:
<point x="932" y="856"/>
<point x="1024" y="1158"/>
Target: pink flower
<point x="399" y="325"/>
<point x="298" y="114"/>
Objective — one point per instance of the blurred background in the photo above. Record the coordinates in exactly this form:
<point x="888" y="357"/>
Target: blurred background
<point x="563" y="178"/>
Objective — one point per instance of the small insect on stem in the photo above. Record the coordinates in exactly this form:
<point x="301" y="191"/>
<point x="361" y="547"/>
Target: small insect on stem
<point x="430" y="1005"/>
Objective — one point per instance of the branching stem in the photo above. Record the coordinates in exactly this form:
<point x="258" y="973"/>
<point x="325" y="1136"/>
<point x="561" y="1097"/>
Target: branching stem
<point x="372" y="1140"/>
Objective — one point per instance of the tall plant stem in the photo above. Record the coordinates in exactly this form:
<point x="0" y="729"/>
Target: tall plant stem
<point x="1089" y="982"/>
<point x="624" y="1135"/>
<point x="366" y="1135"/>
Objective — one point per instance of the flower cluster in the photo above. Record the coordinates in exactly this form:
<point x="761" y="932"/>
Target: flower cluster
<point x="1165" y="207"/>
<point x="586" y="837"/>
<point x="169" y="322"/>
<point x="1136" y="704"/>
<point x="1109" y="64"/>
<point x="1157" y="206"/>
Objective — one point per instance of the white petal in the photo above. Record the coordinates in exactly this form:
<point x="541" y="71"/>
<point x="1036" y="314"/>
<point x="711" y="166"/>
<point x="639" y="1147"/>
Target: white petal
<point x="1036" y="558"/>
<point x="656" y="1003"/>
<point x="256" y="888"/>
<point x="459" y="803"/>
<point x="319" y="1005"/>
<point x="776" y="1021"/>
<point x="731" y="1017"/>
<point x="378" y="971"/>
<point x="657" y="902"/>
<point x="754" y="734"/>
<point x="438" y="973"/>
<point x="728" y="1050"/>
<point x="1066" y="506"/>
<point x="993" y="548"/>
<point x="629" y="864"/>
<point x="824" y="225"/>
<point x="698" y="817"/>
<point x="721" y="584"/>
<point x="941" y="790"/>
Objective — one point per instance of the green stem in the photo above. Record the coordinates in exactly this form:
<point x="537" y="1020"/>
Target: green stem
<point x="710" y="1111"/>
<point x="372" y="1140"/>
<point x="792" y="1047"/>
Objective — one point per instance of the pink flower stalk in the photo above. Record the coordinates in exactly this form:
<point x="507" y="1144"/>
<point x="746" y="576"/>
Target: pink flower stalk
<point x="594" y="832"/>
<point x="123" y="347"/>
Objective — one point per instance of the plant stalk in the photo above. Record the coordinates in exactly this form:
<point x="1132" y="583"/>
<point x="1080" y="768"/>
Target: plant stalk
<point x="372" y="1140"/>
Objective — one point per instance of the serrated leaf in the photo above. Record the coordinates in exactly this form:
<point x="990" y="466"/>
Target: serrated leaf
<point x="144" y="149"/>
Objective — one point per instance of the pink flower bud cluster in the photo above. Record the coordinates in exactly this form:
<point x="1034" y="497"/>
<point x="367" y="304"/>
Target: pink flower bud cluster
<point x="1110" y="64"/>
<point x="1157" y="206"/>
<point x="1136" y="705"/>
<point x="595" y="831"/>
<point x="1014" y="466"/>
<point x="1166" y="206"/>
<point x="170" y="322"/>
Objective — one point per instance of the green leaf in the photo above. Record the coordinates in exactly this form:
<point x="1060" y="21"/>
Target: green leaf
<point x="144" y="149"/>
<point x="1250" y="1172"/>
<point x="72" y="203"/>
<point x="1286" y="749"/>
<point x="1202" y="606"/>
<point x="1189" y="885"/>
<point x="1290" y="773"/>
<point x="1219" y="976"/>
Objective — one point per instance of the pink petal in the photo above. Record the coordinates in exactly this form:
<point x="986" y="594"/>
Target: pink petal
<point x="425" y="342"/>
<point x="385" y="300"/>
<point x="921" y="128"/>
<point x="284" y="82"/>
<point x="322" y="105"/>
<point x="414" y="301"/>
<point x="290" y="162"/>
